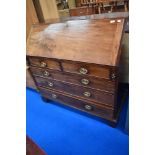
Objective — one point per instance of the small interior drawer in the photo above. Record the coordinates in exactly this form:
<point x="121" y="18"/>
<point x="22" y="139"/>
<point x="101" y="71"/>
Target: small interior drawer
<point x="44" y="63"/>
<point x="86" y="69"/>
<point x="89" y="107"/>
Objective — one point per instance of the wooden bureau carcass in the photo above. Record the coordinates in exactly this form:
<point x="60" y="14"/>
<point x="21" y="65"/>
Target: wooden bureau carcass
<point x="76" y="63"/>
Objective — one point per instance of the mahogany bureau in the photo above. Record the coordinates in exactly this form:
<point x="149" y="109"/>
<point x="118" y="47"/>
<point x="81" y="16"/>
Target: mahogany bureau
<point x="76" y="63"/>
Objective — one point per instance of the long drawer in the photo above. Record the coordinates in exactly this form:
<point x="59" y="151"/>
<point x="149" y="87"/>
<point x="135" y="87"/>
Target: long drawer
<point x="89" y="107"/>
<point x="87" y="93"/>
<point x="83" y="80"/>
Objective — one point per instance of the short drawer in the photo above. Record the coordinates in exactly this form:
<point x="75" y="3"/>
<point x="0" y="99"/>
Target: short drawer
<point x="89" y="82"/>
<point x="87" y="69"/>
<point x="89" y="107"/>
<point x="83" y="92"/>
<point x="44" y="63"/>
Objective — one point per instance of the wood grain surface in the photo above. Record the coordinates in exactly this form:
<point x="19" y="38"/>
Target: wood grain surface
<point x="92" y="41"/>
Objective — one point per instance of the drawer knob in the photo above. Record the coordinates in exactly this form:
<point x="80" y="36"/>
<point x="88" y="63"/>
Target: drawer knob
<point x="43" y="64"/>
<point x="85" y="81"/>
<point x="46" y="73"/>
<point x="87" y="94"/>
<point x="88" y="107"/>
<point x="83" y="71"/>
<point x="50" y="84"/>
<point x="54" y="96"/>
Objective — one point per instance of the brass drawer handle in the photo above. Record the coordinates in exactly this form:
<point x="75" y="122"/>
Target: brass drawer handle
<point x="50" y="84"/>
<point x="46" y="73"/>
<point x="54" y="96"/>
<point x="88" y="107"/>
<point x="43" y="64"/>
<point x="85" y="81"/>
<point x="83" y="71"/>
<point x="87" y="94"/>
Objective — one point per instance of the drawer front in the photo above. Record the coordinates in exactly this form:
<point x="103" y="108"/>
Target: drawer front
<point x="89" y="82"/>
<point x="89" y="107"/>
<point x="44" y="63"/>
<point x="86" y="93"/>
<point x="87" y="69"/>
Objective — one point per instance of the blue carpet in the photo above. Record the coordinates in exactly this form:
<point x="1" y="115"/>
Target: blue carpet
<point x="64" y="131"/>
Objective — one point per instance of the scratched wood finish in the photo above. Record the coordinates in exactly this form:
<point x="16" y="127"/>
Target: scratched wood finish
<point x="69" y="41"/>
<point x="96" y="109"/>
<point x="95" y="95"/>
<point x="96" y="83"/>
